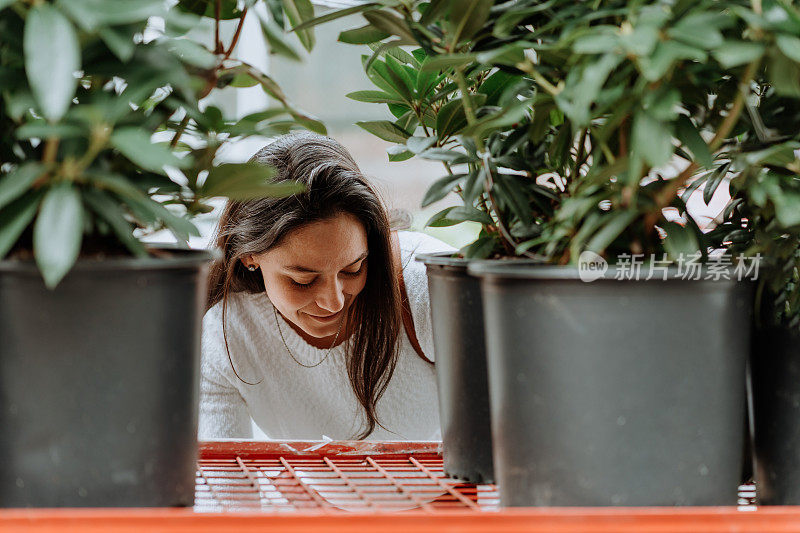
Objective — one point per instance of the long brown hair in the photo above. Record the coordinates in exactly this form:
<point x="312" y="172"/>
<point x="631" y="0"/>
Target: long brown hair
<point x="333" y="185"/>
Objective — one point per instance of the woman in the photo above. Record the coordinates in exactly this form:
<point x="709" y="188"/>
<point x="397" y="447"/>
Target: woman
<point x="304" y="330"/>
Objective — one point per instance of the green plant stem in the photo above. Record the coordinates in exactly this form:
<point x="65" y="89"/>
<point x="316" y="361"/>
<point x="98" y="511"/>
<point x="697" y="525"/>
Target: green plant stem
<point x="668" y="193"/>
<point x="579" y="154"/>
<point x="537" y="76"/>
<point x="181" y="127"/>
<point x="217" y="16"/>
<point x="507" y="239"/>
<point x="50" y="150"/>
<point x="469" y="111"/>
<point x="236" y="35"/>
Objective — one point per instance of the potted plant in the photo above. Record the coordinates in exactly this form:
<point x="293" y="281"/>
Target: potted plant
<point x="562" y="122"/>
<point x="767" y="193"/>
<point x="100" y="352"/>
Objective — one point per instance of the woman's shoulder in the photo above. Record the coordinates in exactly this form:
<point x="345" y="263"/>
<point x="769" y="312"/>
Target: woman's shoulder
<point x="239" y="307"/>
<point x="413" y="243"/>
<point x="416" y="282"/>
<point x="243" y="326"/>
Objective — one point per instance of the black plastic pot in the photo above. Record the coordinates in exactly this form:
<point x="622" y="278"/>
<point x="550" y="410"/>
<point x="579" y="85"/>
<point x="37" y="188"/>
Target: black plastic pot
<point x="625" y="393"/>
<point x="775" y="370"/>
<point x="99" y="383"/>
<point x="457" y="320"/>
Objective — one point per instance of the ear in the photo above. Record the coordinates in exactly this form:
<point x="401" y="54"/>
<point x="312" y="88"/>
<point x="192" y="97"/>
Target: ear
<point x="247" y="261"/>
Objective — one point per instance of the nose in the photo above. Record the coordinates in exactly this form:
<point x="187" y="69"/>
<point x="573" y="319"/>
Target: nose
<point x="331" y="297"/>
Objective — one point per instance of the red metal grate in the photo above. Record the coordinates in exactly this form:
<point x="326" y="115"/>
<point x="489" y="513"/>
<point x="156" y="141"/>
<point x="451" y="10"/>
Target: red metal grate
<point x="303" y="476"/>
<point x="303" y="487"/>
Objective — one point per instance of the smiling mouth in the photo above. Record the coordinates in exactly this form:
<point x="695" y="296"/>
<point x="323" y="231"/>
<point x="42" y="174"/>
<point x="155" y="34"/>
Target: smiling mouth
<point x="325" y="318"/>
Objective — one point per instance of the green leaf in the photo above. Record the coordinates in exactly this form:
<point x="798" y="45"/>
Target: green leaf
<point x="598" y="42"/>
<point x="94" y="14"/>
<point x="135" y="144"/>
<point x="642" y="41"/>
<point x="450" y="156"/>
<point x="398" y="153"/>
<point x="452" y="118"/>
<point x="434" y="11"/>
<point x="374" y="97"/>
<point x="143" y="206"/>
<point x="446" y="61"/>
<point x="44" y="130"/>
<point x="192" y="53"/>
<point x="402" y="81"/>
<point x="662" y="103"/>
<point x="495" y="85"/>
<point x="119" y="41"/>
<point x="440" y="220"/>
<point x="665" y="55"/>
<point x="277" y="45"/>
<point x="690" y="138"/>
<point x="615" y="224"/>
<point x="246" y="181"/>
<point x="52" y="57"/>
<point x="420" y="144"/>
<point x="784" y="74"/>
<point x="789" y="45"/>
<point x="713" y="182"/>
<point x="652" y="139"/>
<point x="441" y="188"/>
<point x="463" y="213"/>
<point x="510" y="54"/>
<point x="776" y="155"/>
<point x="57" y="232"/>
<point x="506" y="117"/>
<point x="680" y="240"/>
<point x="230" y="9"/>
<point x="110" y="210"/>
<point x="385" y="130"/>
<point x="390" y="24"/>
<point x="583" y="86"/>
<point x="18" y="182"/>
<point x="735" y="53"/>
<point x="268" y="85"/>
<point x="333" y="15"/>
<point x="450" y="216"/>
<point x="482" y="248"/>
<point x="275" y="8"/>
<point x="299" y="11"/>
<point x="363" y="35"/>
<point x="467" y="17"/>
<point x="15" y="218"/>
<point x="700" y="30"/>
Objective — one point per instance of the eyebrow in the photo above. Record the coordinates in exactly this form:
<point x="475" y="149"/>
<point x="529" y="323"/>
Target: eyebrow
<point x="297" y="268"/>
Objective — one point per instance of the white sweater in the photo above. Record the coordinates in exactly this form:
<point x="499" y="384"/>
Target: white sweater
<point x="293" y="402"/>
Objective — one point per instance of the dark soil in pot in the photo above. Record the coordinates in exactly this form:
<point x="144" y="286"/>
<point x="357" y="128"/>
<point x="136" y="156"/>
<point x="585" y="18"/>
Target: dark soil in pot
<point x="99" y="383"/>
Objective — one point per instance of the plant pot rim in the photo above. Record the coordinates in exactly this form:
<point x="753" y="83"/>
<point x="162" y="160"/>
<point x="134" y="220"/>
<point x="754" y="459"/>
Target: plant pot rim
<point x="448" y="259"/>
<point x="511" y="269"/>
<point x="180" y="258"/>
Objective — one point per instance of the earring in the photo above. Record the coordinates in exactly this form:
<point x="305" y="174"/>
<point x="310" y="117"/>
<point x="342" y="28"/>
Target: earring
<point x="252" y="268"/>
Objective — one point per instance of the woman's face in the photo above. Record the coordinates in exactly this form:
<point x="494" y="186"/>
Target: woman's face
<point x="316" y="272"/>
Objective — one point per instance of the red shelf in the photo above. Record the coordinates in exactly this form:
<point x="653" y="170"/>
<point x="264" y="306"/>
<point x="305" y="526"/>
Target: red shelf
<point x="363" y="486"/>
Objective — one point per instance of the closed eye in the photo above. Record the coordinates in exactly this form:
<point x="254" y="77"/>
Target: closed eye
<point x="356" y="272"/>
<point x="343" y="272"/>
